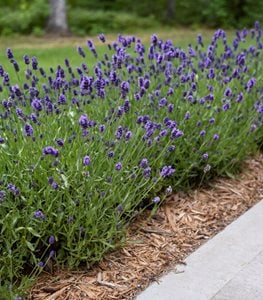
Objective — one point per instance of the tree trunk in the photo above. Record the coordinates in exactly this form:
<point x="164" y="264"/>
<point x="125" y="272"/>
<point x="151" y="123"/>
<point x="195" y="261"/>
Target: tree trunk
<point x="170" y="11"/>
<point x="57" y="22"/>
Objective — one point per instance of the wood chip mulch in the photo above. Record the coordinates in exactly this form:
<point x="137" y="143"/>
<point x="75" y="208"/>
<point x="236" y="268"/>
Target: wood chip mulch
<point x="155" y="245"/>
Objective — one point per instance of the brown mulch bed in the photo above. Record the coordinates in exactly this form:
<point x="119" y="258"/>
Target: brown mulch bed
<point x="157" y="244"/>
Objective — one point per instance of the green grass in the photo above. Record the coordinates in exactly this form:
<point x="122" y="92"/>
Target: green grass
<point x="51" y="51"/>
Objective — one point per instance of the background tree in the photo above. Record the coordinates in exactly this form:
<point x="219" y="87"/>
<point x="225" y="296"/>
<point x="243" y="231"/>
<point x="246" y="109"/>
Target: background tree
<point x="170" y="11"/>
<point x="57" y="22"/>
<point x="90" y="17"/>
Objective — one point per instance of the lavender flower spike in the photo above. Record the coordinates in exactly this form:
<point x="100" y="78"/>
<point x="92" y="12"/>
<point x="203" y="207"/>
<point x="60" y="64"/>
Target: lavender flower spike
<point x="102" y="37"/>
<point x="144" y="163"/>
<point x="13" y="189"/>
<point x="156" y="200"/>
<point x="49" y="150"/>
<point x="28" y="129"/>
<point x="83" y="121"/>
<point x="118" y="166"/>
<point x="38" y="214"/>
<point x="167" y="171"/>
<point x="86" y="160"/>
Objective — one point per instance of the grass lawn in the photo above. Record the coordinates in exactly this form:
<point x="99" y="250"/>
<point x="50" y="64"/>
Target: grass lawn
<point x="52" y="51"/>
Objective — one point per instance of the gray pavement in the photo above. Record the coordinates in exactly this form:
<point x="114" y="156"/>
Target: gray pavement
<point x="227" y="267"/>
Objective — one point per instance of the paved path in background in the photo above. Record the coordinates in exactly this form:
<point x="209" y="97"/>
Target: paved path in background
<point x="227" y="267"/>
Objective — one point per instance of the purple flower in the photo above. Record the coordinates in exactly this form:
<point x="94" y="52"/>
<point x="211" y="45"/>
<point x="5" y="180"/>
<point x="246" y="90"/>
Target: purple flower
<point x="49" y="150"/>
<point x="240" y="97"/>
<point x="171" y="148"/>
<point x="215" y="137"/>
<point x="144" y="163"/>
<point x="205" y="156"/>
<point x="90" y="44"/>
<point x="54" y="185"/>
<point x="202" y="101"/>
<point x="260" y="109"/>
<point x="84" y="67"/>
<point x="170" y="92"/>
<point x="163" y="102"/>
<point x="26" y="59"/>
<point x="34" y="63"/>
<point x="6" y="79"/>
<point x="9" y="53"/>
<point x="128" y="135"/>
<point x="125" y="87"/>
<point x="118" y="133"/>
<point x="167" y="171"/>
<point x="137" y="96"/>
<point x="200" y="40"/>
<point x="51" y="240"/>
<point x="83" y="121"/>
<point x="50" y="180"/>
<point x="102" y="37"/>
<point x="228" y="92"/>
<point x="154" y="39"/>
<point x="212" y="121"/>
<point x="101" y="128"/>
<point x="164" y="132"/>
<point x="28" y="130"/>
<point x="61" y="99"/>
<point x="13" y="189"/>
<point x="156" y="200"/>
<point x="119" y="209"/>
<point x="80" y="51"/>
<point x="226" y="106"/>
<point x="86" y="160"/>
<point x="176" y="133"/>
<point x="147" y="172"/>
<point x="251" y="82"/>
<point x="16" y="66"/>
<point x="187" y="115"/>
<point x="118" y="166"/>
<point x="110" y="154"/>
<point x="36" y="104"/>
<point x="33" y="118"/>
<point x="40" y="264"/>
<point x="38" y="214"/>
<point x="257" y="25"/>
<point x="170" y="107"/>
<point x="60" y="142"/>
<point x="202" y="132"/>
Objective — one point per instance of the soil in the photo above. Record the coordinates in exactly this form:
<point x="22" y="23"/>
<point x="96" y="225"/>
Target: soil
<point x="156" y="245"/>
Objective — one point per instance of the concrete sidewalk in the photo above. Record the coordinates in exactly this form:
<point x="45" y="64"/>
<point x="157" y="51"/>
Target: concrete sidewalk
<point x="227" y="267"/>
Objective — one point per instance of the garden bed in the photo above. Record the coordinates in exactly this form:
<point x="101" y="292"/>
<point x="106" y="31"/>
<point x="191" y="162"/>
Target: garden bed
<point x="87" y="146"/>
<point x="155" y="245"/>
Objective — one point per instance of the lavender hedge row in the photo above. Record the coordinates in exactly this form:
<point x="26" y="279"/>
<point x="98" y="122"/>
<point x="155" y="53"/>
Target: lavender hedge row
<point x="83" y="148"/>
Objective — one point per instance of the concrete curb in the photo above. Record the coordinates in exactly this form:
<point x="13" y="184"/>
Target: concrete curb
<point x="229" y="266"/>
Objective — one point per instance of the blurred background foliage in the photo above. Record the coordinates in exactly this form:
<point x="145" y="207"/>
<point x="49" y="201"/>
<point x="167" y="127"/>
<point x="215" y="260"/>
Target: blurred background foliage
<point x="93" y="16"/>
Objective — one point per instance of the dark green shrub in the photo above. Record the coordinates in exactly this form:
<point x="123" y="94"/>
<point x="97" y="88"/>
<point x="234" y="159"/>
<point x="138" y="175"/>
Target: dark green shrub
<point x="92" y="22"/>
<point x="25" y="18"/>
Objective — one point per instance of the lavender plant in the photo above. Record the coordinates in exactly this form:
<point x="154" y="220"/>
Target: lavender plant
<point x="82" y="148"/>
